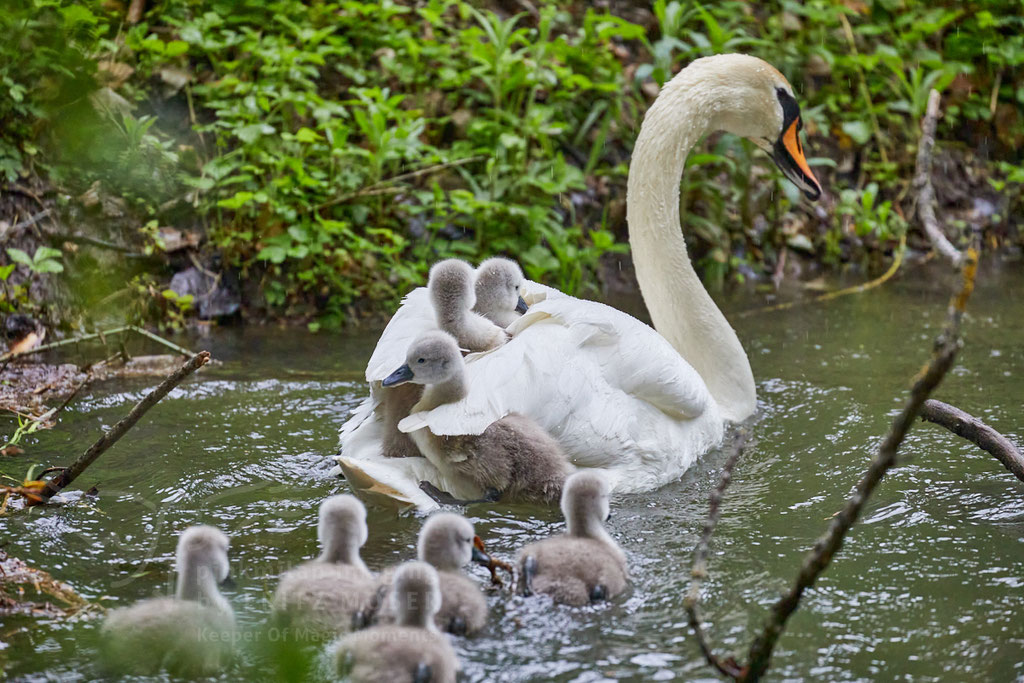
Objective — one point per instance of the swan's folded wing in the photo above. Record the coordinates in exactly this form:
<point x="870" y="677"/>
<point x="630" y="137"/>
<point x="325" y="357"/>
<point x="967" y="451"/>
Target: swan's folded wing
<point x="571" y="361"/>
<point x="633" y="357"/>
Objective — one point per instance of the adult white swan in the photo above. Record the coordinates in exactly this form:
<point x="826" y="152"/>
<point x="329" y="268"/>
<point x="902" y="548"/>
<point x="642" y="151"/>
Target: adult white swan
<point x="639" y="404"/>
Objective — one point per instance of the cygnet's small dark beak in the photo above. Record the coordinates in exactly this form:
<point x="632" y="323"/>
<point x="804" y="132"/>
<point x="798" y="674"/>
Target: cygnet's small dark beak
<point x="228" y="582"/>
<point x="402" y="374"/>
<point x="479" y="556"/>
<point x="521" y="305"/>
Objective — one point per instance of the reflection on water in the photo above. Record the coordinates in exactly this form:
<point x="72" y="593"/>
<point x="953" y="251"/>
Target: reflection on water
<point x="927" y="587"/>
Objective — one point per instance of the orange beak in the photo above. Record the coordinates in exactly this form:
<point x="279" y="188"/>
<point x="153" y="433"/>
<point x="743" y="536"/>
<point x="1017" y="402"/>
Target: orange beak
<point x="791" y="139"/>
<point x="789" y="156"/>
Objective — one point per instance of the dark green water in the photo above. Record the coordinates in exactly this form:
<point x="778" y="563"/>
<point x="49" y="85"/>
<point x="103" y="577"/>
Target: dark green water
<point x="930" y="586"/>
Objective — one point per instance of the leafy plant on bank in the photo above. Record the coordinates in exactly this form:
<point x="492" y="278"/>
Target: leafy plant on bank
<point x="332" y="151"/>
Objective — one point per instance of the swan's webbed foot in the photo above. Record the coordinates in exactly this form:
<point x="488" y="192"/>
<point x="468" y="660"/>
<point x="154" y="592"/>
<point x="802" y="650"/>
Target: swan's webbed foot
<point x="598" y="593"/>
<point x="444" y="498"/>
<point x="457" y="626"/>
<point x="361" y="619"/>
<point x="529" y="571"/>
<point x="422" y="674"/>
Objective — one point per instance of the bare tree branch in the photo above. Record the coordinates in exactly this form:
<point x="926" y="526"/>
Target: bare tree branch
<point x="947" y="345"/>
<point x="977" y="432"/>
<point x="98" y="335"/>
<point x="728" y="667"/>
<point x="68" y="475"/>
<point x="923" y="183"/>
<point x="944" y="353"/>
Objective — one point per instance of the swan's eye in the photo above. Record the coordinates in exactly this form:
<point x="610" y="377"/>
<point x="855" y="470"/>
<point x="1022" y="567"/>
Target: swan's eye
<point x="420" y="360"/>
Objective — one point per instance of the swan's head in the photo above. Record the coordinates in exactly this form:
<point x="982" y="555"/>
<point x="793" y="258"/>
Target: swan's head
<point x="447" y="542"/>
<point x="498" y="281"/>
<point x="451" y="286"/>
<point x="586" y="501"/>
<point x="416" y="594"/>
<point x="342" y="526"/>
<point x="203" y="549"/>
<point x="747" y="96"/>
<point x="433" y="358"/>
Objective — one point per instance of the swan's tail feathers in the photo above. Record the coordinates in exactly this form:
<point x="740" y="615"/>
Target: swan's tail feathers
<point x="383" y="484"/>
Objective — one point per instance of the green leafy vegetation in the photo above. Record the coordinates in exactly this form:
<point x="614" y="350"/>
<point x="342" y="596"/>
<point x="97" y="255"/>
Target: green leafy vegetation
<point x="329" y="152"/>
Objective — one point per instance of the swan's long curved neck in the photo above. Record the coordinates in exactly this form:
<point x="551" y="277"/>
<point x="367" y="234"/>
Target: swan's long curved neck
<point x="693" y="104"/>
<point x="198" y="584"/>
<point x="583" y="526"/>
<point x="341" y="550"/>
<point x="451" y="390"/>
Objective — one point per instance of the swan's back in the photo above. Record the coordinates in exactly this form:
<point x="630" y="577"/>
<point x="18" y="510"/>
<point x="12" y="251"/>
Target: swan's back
<point x="611" y="390"/>
<point x="185" y="637"/>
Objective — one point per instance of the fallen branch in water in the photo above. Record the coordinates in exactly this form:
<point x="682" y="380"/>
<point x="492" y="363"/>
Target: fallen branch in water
<point x="728" y="667"/>
<point x="977" y="432"/>
<point x="944" y="353"/>
<point x="68" y="475"/>
<point x="897" y="261"/>
<point x="102" y="334"/>
<point x="15" y="573"/>
<point x="923" y="183"/>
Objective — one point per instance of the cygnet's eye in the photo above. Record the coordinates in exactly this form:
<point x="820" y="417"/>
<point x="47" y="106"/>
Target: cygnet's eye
<point x="420" y="360"/>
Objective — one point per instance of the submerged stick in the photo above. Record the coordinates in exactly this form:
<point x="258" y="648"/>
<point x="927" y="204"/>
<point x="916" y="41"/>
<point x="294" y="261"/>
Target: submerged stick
<point x="728" y="667"/>
<point x="58" y="483"/>
<point x="897" y="261"/>
<point x="923" y="183"/>
<point x="977" y="432"/>
<point x="944" y="353"/>
<point x="98" y="335"/>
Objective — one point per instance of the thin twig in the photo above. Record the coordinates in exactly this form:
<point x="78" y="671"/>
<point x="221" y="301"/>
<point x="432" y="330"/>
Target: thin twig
<point x="12" y="231"/>
<point x="181" y="350"/>
<point x="863" y="84"/>
<point x="379" y="187"/>
<point x="62" y="480"/>
<point x="897" y="261"/>
<point x="728" y="667"/>
<point x="977" y="432"/>
<point x="57" y="238"/>
<point x="98" y="335"/>
<point x="923" y="184"/>
<point x="946" y="347"/>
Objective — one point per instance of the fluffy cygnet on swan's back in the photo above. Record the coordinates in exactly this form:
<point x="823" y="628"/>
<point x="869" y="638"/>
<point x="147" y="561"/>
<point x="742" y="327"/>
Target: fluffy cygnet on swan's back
<point x="498" y="284"/>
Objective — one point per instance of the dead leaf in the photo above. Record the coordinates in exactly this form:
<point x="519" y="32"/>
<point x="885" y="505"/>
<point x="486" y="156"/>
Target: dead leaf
<point x="114" y="74"/>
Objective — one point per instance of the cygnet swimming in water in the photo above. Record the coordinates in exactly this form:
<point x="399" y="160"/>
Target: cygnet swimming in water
<point x="584" y="564"/>
<point x="498" y="284"/>
<point x="190" y="634"/>
<point x="451" y="284"/>
<point x="446" y="543"/>
<point x="514" y="458"/>
<point x="411" y="650"/>
<point x="333" y="593"/>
